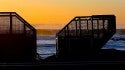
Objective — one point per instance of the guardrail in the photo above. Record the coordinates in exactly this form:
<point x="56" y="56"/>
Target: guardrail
<point x="85" y="34"/>
<point x="17" y="38"/>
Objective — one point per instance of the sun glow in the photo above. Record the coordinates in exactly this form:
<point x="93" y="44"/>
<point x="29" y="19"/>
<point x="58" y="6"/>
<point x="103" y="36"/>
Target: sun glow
<point x="62" y="11"/>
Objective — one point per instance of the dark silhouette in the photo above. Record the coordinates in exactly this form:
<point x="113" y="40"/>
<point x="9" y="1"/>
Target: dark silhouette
<point x="79" y="43"/>
<point x="84" y="36"/>
<point x="17" y="39"/>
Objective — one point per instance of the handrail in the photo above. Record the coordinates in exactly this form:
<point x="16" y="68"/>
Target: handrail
<point x="19" y="17"/>
<point x="24" y="21"/>
<point x="18" y="34"/>
<point x="82" y="18"/>
<point x="65" y="27"/>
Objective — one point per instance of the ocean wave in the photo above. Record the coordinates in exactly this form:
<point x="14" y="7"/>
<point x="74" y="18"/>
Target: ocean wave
<point x="41" y="42"/>
<point x="46" y="45"/>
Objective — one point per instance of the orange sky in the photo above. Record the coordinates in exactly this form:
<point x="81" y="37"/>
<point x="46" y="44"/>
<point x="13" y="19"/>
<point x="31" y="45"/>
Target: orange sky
<point x="61" y="12"/>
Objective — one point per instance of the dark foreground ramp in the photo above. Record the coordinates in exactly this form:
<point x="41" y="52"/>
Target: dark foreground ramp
<point x="84" y="36"/>
<point x="17" y="38"/>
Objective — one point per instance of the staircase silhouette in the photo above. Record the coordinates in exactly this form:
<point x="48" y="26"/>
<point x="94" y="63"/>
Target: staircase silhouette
<point x="84" y="36"/>
<point x="17" y="38"/>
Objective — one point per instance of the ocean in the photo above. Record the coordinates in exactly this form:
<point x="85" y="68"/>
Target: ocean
<point x="46" y="45"/>
<point x="117" y="42"/>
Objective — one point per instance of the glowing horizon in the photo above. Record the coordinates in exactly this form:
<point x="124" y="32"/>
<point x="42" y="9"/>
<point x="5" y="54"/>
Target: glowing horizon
<point x="62" y="11"/>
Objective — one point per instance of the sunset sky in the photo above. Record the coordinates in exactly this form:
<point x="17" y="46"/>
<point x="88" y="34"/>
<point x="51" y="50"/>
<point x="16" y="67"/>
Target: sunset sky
<point x="60" y="12"/>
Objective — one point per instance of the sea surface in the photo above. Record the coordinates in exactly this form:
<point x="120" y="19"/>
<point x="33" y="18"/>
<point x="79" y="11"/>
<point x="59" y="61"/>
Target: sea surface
<point x="46" y="45"/>
<point x="117" y="42"/>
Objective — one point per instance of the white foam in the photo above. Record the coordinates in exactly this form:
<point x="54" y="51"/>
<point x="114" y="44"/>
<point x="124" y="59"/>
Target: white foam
<point x="40" y="42"/>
